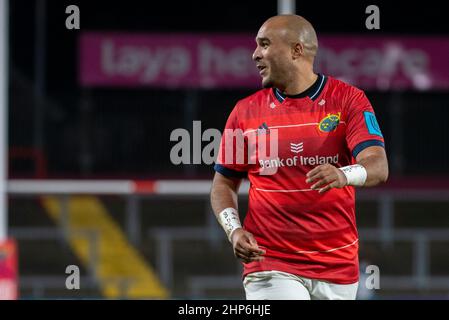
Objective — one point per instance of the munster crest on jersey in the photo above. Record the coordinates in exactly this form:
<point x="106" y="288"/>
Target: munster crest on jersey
<point x="329" y="122"/>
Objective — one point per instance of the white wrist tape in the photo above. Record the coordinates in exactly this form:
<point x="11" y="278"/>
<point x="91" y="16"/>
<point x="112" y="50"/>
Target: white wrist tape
<point x="355" y="174"/>
<point x="229" y="220"/>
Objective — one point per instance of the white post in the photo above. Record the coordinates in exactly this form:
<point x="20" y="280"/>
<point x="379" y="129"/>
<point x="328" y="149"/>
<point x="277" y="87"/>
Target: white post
<point x="286" y="6"/>
<point x="3" y="117"/>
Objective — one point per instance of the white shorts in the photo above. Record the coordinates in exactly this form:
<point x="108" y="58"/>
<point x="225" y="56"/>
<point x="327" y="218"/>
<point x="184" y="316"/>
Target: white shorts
<point x="277" y="285"/>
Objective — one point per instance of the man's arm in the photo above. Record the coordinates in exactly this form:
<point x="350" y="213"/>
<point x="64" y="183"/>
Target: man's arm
<point x="373" y="159"/>
<point x="224" y="193"/>
<point x="223" y="196"/>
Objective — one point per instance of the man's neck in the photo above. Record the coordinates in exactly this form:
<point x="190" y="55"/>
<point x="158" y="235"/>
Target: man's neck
<point x="300" y="84"/>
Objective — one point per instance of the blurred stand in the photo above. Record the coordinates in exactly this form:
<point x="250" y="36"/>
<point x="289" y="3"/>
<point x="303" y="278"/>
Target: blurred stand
<point x="407" y="256"/>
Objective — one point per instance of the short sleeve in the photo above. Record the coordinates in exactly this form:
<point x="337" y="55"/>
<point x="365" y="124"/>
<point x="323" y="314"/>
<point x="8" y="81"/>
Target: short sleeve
<point x="362" y="127"/>
<point x="232" y="159"/>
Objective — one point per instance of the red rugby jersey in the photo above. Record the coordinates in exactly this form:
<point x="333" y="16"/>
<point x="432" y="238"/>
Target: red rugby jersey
<point x="303" y="232"/>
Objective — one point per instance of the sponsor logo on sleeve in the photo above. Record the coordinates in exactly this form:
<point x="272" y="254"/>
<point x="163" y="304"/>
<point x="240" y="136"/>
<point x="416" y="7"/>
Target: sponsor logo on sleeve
<point x="371" y="123"/>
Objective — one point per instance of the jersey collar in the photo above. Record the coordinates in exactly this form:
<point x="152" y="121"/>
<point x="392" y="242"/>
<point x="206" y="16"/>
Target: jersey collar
<point x="312" y="92"/>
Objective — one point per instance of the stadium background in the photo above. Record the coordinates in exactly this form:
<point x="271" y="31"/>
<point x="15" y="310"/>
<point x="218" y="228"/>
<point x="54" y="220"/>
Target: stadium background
<point x="147" y="244"/>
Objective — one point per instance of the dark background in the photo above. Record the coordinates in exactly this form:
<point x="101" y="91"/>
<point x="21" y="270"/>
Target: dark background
<point x="59" y="129"/>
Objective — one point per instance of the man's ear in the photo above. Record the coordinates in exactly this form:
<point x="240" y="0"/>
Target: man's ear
<point x="297" y="50"/>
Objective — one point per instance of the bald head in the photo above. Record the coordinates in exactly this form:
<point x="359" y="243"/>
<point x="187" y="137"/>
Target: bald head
<point x="285" y="52"/>
<point x="294" y="28"/>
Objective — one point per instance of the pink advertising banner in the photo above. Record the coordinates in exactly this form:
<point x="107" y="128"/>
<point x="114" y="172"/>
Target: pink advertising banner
<point x="224" y="60"/>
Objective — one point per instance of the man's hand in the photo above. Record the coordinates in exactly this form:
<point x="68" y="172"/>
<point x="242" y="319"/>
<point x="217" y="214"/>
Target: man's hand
<point x="326" y="176"/>
<point x="245" y="246"/>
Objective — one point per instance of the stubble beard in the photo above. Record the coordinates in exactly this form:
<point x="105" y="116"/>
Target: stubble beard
<point x="267" y="83"/>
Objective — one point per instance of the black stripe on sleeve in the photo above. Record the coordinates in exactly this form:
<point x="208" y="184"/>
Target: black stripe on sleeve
<point x="365" y="144"/>
<point x="229" y="172"/>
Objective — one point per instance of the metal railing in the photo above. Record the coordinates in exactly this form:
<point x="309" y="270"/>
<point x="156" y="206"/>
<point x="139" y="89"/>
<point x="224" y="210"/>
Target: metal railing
<point x="165" y="238"/>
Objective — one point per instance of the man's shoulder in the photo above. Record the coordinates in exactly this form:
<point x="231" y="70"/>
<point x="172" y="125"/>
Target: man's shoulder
<point x="340" y="86"/>
<point x="254" y="99"/>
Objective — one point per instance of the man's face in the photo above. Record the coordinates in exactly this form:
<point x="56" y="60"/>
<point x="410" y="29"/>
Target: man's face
<point x="272" y="57"/>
